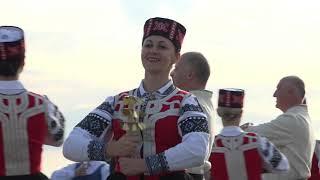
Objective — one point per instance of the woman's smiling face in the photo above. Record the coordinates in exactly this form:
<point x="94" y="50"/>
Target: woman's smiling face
<point x="158" y="54"/>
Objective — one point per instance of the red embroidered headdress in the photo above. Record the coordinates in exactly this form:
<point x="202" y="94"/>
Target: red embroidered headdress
<point x="231" y="98"/>
<point x="167" y="28"/>
<point x="11" y="42"/>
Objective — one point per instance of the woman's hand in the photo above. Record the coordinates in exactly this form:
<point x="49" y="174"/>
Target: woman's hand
<point x="132" y="166"/>
<point x="82" y="169"/>
<point x="126" y="146"/>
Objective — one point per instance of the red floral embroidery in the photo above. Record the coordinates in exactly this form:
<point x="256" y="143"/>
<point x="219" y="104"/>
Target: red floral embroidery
<point x="148" y="29"/>
<point x="179" y="36"/>
<point x="3" y="52"/>
<point x="173" y="30"/>
<point x="160" y="26"/>
<point x="14" y="50"/>
<point x="225" y="99"/>
<point x="237" y="99"/>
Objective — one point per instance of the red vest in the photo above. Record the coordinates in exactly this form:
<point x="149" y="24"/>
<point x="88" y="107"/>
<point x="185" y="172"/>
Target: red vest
<point x="236" y="158"/>
<point x="23" y="128"/>
<point x="161" y="119"/>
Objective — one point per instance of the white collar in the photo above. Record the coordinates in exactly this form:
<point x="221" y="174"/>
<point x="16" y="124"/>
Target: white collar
<point x="231" y="131"/>
<point x="164" y="90"/>
<point x="11" y="87"/>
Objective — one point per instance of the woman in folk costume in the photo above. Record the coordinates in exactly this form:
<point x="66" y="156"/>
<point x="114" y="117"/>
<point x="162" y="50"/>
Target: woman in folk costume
<point x="239" y="155"/>
<point x="27" y="120"/>
<point x="315" y="168"/>
<point x="172" y="130"/>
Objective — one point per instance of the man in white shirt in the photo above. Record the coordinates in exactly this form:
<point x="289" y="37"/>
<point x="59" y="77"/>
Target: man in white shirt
<point x="291" y="132"/>
<point x="191" y="73"/>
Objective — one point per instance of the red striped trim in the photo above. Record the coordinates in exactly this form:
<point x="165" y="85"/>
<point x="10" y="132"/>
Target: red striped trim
<point x="245" y="140"/>
<point x="251" y="134"/>
<point x="219" y="143"/>
<point x="117" y="108"/>
<point x="253" y="164"/>
<point x="219" y="166"/>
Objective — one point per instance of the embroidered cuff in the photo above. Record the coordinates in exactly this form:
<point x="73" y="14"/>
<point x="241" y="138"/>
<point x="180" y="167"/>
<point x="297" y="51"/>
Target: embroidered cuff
<point x="94" y="124"/>
<point x="157" y="164"/>
<point x="194" y="124"/>
<point x="96" y="151"/>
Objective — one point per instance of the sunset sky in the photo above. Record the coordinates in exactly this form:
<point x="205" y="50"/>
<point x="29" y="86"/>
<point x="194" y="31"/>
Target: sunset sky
<point x="79" y="51"/>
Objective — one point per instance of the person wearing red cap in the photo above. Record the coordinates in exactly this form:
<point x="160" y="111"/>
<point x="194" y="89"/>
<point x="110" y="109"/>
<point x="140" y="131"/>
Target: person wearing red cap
<point x="315" y="167"/>
<point x="175" y="134"/>
<point x="239" y="155"/>
<point x="27" y="120"/>
<point x="191" y="73"/>
<point x="291" y="131"/>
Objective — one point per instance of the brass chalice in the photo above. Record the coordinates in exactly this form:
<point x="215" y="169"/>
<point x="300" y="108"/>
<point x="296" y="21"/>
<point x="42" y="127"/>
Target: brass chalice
<point x="130" y="110"/>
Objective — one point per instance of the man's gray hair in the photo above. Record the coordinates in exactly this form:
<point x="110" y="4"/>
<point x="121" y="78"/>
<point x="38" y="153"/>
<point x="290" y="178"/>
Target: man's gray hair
<point x="297" y="83"/>
<point x="199" y="64"/>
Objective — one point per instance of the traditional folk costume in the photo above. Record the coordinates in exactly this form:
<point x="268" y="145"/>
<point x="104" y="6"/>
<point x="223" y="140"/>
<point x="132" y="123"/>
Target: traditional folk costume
<point x="292" y="134"/>
<point x="175" y="138"/>
<point x="95" y="170"/>
<point x="315" y="168"/>
<point x="239" y="155"/>
<point x="27" y="120"/>
<point x="205" y="100"/>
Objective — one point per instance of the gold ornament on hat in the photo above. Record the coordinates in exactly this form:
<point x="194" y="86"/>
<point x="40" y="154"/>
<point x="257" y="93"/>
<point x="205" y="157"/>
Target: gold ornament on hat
<point x="132" y="124"/>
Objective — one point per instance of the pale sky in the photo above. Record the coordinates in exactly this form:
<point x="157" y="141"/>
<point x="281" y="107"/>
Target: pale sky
<point x="79" y="52"/>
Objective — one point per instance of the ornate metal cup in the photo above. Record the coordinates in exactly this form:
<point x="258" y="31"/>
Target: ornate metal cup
<point x="130" y="110"/>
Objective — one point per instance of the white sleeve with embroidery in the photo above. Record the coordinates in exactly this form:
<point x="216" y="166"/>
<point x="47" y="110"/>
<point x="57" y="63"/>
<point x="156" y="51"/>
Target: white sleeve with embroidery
<point x="55" y="123"/>
<point x="194" y="148"/>
<point x="87" y="140"/>
<point x="274" y="160"/>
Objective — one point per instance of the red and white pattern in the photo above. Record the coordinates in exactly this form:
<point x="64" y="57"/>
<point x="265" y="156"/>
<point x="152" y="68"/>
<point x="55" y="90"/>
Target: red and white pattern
<point x="244" y="157"/>
<point x="26" y="123"/>
<point x="11" y="42"/>
<point x="167" y="28"/>
<point x="176" y="130"/>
